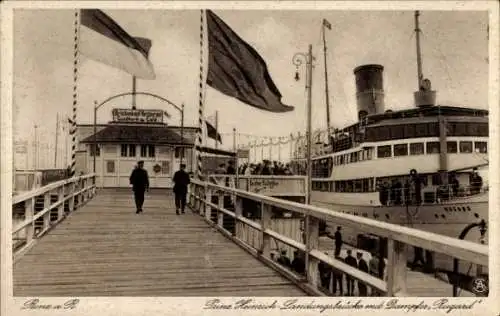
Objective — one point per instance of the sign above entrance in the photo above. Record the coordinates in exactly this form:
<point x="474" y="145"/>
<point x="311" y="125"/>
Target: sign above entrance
<point x="137" y="116"/>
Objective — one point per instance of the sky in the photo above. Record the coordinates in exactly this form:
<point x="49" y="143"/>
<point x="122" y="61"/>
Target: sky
<point x="454" y="51"/>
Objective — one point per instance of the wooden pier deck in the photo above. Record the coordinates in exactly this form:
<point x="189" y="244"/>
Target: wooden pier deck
<point x="105" y="249"/>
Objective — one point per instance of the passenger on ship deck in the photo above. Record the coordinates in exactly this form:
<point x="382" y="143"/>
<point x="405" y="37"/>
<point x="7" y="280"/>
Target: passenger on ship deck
<point x="476" y="183"/>
<point x="396" y="192"/>
<point x="454" y="184"/>
<point x="383" y="193"/>
<point x="416" y="187"/>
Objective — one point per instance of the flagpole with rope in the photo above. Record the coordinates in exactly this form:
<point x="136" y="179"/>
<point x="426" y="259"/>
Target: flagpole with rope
<point x="201" y="102"/>
<point x="75" y="91"/>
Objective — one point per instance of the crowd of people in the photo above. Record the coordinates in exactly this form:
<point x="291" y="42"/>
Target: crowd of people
<point x="266" y="167"/>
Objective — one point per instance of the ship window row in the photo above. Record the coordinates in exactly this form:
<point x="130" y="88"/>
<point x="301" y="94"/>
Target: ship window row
<point x="361" y="155"/>
<point x="398" y="150"/>
<point x="412" y="149"/>
<point x="346" y="186"/>
<point x="382" y="133"/>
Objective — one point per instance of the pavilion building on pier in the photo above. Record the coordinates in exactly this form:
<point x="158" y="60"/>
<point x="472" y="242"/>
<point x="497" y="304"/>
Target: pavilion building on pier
<point x="133" y="135"/>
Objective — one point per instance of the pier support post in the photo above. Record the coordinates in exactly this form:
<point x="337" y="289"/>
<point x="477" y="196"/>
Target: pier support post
<point x="60" y="198"/>
<point x="396" y="268"/>
<point x="311" y="226"/>
<point x="265" y="243"/>
<point x="46" y="216"/>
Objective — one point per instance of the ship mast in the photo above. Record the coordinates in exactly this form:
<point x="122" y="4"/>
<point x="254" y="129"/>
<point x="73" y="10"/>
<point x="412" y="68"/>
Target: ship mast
<point x="419" y="54"/>
<point x="326" y="24"/>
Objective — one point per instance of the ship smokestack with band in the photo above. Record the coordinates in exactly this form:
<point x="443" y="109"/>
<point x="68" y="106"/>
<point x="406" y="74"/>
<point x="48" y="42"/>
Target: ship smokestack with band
<point x="369" y="90"/>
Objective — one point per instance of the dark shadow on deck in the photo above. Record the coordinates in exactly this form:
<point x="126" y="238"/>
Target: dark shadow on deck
<point x="105" y="249"/>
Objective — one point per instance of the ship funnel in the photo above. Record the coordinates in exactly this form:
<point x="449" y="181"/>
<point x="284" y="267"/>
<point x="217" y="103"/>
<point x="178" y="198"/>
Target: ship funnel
<point x="425" y="97"/>
<point x="369" y="90"/>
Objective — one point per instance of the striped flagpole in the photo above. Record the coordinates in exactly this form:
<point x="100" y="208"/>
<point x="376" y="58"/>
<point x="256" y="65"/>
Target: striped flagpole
<point x="199" y="140"/>
<point x="75" y="94"/>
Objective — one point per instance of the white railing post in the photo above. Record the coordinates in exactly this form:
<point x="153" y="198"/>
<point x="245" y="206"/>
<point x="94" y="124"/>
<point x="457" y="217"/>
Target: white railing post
<point x="71" y="200"/>
<point x="311" y="226"/>
<point x="60" y="198"/>
<point x="29" y="212"/>
<point x="220" y="214"/>
<point x="46" y="216"/>
<point x="238" y="211"/>
<point x="396" y="268"/>
<point x="208" y="208"/>
<point x="265" y="240"/>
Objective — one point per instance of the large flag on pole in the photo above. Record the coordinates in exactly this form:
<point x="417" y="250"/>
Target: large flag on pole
<point x="237" y="70"/>
<point x="103" y="40"/>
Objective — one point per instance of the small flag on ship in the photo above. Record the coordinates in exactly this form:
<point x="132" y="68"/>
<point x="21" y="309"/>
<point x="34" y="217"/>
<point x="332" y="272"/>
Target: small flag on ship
<point x="237" y="70"/>
<point x="102" y="39"/>
<point x="211" y="130"/>
<point x="327" y="24"/>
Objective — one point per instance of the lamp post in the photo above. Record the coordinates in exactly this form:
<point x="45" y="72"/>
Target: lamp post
<point x="298" y="59"/>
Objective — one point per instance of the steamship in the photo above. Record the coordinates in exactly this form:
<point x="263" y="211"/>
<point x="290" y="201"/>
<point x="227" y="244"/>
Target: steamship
<point x="424" y="167"/>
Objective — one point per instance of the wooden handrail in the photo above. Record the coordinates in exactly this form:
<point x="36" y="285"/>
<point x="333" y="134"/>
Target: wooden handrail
<point x="73" y="193"/>
<point x="398" y="237"/>
<point x="461" y="249"/>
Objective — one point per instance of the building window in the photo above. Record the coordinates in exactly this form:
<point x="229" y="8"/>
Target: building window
<point x="432" y="148"/>
<point x="165" y="167"/>
<point x="384" y="151"/>
<point x="144" y="150"/>
<point x="465" y="147"/>
<point x="417" y="149"/>
<point x="110" y="166"/>
<point x="124" y="150"/>
<point x="481" y="147"/>
<point x="451" y="147"/>
<point x="131" y="150"/>
<point x="95" y="149"/>
<point x="151" y="151"/>
<point x="401" y="150"/>
<point x="178" y="151"/>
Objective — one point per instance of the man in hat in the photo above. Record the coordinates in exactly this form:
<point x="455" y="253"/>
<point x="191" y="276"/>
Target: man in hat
<point x="181" y="182"/>
<point x="140" y="183"/>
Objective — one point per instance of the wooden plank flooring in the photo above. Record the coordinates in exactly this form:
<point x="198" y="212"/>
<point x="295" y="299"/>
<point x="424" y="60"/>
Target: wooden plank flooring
<point x="105" y="249"/>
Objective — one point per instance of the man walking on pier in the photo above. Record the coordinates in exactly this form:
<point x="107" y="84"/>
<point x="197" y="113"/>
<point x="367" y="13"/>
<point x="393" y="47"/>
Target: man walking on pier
<point x="181" y="182"/>
<point x="140" y="183"/>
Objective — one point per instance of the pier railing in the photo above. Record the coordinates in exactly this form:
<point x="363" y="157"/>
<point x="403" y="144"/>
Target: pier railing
<point x="258" y="215"/>
<point x="35" y="212"/>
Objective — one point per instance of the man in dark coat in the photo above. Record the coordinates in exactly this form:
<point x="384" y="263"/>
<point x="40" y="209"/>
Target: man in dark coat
<point x="140" y="183"/>
<point x="181" y="182"/>
<point x="362" y="266"/>
<point x="350" y="260"/>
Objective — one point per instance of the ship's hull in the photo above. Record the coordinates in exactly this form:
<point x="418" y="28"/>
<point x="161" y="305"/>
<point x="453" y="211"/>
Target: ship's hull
<point x="448" y="219"/>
